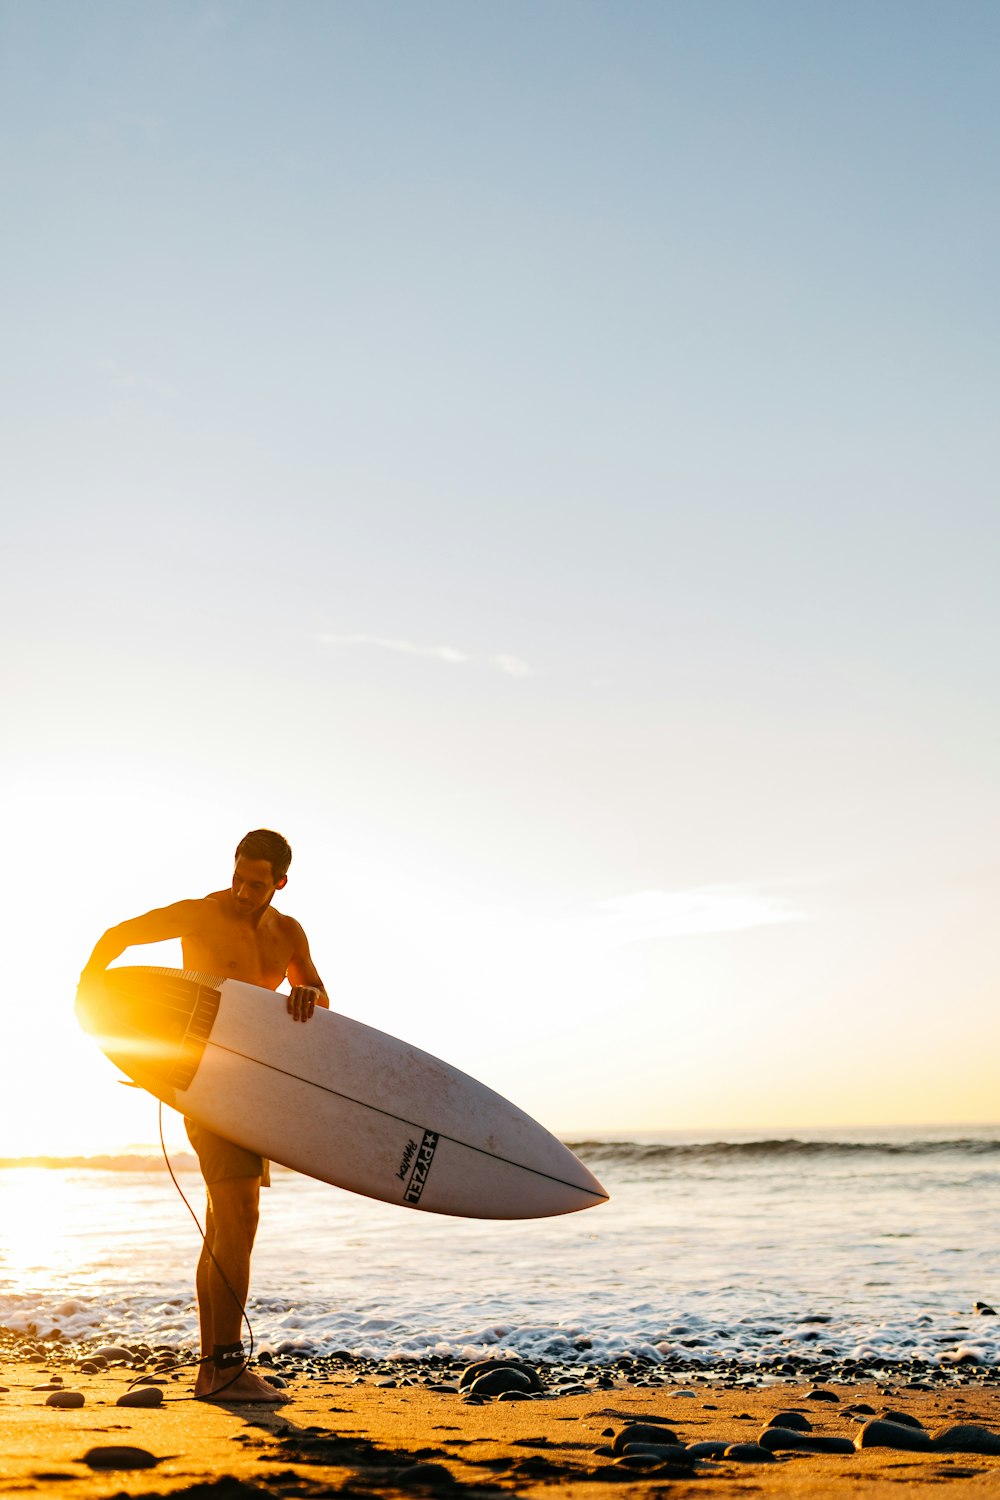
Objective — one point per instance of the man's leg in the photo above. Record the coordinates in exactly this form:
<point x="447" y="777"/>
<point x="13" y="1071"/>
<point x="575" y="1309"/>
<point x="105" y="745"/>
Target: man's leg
<point x="223" y="1281"/>
<point x="201" y="1284"/>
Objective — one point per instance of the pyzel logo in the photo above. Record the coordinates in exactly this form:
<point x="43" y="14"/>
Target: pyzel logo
<point x="421" y="1166"/>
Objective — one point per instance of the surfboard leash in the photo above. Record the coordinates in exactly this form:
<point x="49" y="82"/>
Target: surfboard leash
<point x="227" y="1351"/>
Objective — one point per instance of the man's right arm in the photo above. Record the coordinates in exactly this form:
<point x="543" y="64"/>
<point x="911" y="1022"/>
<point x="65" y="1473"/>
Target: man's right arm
<point x="176" y="921"/>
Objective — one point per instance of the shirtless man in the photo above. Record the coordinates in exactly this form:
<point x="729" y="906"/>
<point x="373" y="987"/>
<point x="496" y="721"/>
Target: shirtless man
<point x="236" y="934"/>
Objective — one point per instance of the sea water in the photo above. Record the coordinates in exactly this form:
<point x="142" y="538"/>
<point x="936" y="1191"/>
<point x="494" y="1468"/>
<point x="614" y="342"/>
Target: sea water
<point x="874" y="1245"/>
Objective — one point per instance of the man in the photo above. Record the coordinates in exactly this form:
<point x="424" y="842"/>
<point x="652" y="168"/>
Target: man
<point x="238" y="935"/>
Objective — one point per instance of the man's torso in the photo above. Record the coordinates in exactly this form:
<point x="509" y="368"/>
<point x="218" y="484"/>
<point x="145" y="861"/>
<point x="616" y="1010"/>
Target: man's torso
<point x="234" y="949"/>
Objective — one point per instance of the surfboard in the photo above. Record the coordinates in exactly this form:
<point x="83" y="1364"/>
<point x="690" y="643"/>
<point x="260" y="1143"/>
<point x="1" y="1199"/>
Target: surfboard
<point x="331" y="1097"/>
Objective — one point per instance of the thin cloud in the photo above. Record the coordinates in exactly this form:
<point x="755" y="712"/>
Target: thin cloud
<point x="512" y="666"/>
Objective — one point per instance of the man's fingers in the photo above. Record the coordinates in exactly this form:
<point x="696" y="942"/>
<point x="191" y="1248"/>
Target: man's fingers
<point x="301" y="1003"/>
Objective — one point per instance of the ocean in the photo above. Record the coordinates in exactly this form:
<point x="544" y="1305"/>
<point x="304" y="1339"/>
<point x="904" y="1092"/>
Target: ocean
<point x="874" y="1246"/>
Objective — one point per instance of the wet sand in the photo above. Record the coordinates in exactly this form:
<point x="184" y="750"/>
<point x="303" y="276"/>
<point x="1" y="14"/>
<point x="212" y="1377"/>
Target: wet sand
<point x="335" y="1436"/>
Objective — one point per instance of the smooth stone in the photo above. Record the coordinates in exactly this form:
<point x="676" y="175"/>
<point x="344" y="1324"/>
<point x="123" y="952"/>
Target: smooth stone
<point x="821" y="1395"/>
<point x="503" y="1381"/>
<point x="145" y="1395"/>
<point x="708" y="1448"/>
<point x="112" y="1351"/>
<point x="112" y="1457"/>
<point x="418" y="1475"/>
<point x="65" y="1398"/>
<point x="879" y="1434"/>
<point x="674" y="1455"/>
<point x="275" y="1380"/>
<point x="643" y="1432"/>
<point x="966" y="1437"/>
<point x="474" y="1372"/>
<point x="749" y="1453"/>
<point x="778" y="1438"/>
<point x="902" y="1418"/>
<point x="797" y="1421"/>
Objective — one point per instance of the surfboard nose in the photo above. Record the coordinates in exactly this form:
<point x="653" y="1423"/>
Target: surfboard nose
<point x="584" y="1180"/>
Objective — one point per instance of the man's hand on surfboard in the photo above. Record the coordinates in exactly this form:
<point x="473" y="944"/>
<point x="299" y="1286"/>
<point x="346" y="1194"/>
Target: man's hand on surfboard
<point x="303" y="1000"/>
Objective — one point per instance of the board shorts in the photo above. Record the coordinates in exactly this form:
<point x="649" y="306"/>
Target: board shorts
<point x="220" y="1159"/>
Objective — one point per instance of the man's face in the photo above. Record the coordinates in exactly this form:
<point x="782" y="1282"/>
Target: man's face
<point x="253" y="884"/>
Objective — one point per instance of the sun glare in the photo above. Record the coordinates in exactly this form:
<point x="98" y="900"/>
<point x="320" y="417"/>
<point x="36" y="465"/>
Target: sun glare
<point x="33" y="1241"/>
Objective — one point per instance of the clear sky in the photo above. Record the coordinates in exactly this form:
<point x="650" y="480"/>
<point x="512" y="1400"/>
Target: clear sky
<point x="542" y="457"/>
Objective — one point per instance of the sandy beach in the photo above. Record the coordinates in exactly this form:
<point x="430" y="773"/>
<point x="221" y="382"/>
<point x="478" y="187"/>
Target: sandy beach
<point x="347" y="1433"/>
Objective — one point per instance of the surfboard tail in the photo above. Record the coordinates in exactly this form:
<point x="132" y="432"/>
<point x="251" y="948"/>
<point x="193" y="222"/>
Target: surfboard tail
<point x="152" y="1024"/>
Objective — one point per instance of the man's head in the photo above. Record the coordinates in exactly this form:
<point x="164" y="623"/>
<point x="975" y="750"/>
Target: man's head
<point x="264" y="843"/>
<point x="262" y="860"/>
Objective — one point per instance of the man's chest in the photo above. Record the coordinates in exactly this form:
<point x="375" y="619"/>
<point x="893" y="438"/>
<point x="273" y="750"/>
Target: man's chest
<point x="257" y="955"/>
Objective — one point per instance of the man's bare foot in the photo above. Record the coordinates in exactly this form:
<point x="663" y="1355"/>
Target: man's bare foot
<point x="219" y="1385"/>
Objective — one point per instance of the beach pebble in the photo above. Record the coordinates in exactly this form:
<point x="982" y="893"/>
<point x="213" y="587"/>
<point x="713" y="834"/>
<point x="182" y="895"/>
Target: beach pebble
<point x="112" y="1457"/>
<point x="665" y="1452"/>
<point x="143" y="1395"/>
<point x="967" y="1438"/>
<point x="879" y="1434"/>
<point x="112" y="1351"/>
<point x="797" y="1421"/>
<point x="749" y="1453"/>
<point x="708" y="1448"/>
<point x="901" y="1418"/>
<point x="506" y="1379"/>
<point x="64" y="1398"/>
<point x="822" y="1395"/>
<point x="642" y="1432"/>
<point x="473" y="1373"/>
<point x="419" y="1476"/>
<point x="786" y="1438"/>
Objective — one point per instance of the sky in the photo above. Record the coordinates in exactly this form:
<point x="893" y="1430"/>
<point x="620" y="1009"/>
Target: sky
<point x="542" y="458"/>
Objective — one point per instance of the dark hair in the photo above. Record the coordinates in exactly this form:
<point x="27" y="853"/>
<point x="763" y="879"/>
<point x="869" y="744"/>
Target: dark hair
<point x="264" y="843"/>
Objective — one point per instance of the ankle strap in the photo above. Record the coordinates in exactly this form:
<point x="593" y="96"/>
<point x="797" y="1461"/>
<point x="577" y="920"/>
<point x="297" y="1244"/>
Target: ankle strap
<point x="227" y="1356"/>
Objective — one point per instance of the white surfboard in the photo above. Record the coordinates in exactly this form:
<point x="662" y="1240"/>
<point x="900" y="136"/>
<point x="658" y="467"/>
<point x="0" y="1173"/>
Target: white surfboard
<point x="331" y="1097"/>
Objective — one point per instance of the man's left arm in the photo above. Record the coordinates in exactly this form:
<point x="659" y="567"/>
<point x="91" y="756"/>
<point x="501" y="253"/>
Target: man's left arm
<point x="308" y="990"/>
